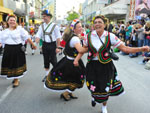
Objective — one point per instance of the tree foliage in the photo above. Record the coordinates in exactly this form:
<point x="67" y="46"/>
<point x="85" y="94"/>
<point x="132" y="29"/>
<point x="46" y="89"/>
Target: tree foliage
<point x="72" y="15"/>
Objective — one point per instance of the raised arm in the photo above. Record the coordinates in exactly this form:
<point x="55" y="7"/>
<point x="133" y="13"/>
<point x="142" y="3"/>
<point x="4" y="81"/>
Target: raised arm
<point x="127" y="49"/>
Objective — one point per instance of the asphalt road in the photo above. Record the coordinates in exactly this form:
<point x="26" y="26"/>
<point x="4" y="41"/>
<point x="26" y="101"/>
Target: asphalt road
<point x="32" y="97"/>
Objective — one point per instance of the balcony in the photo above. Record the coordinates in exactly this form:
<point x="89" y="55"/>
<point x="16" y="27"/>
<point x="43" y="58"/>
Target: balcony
<point x="17" y="7"/>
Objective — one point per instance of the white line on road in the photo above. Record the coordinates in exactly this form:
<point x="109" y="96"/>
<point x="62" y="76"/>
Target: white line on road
<point x="8" y="91"/>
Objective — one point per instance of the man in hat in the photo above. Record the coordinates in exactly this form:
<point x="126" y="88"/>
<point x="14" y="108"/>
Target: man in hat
<point x="49" y="32"/>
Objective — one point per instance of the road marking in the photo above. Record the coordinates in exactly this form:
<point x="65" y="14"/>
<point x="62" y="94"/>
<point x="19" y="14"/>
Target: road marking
<point x="8" y="91"/>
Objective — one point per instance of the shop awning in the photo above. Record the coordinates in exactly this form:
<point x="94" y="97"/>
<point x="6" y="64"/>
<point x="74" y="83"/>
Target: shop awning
<point x="115" y="9"/>
<point x="5" y="10"/>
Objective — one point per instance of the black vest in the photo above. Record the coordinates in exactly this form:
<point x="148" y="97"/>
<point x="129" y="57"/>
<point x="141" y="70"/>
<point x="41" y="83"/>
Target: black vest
<point x="68" y="51"/>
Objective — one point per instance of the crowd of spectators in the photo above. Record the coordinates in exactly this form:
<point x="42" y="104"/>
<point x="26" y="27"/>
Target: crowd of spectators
<point x="134" y="34"/>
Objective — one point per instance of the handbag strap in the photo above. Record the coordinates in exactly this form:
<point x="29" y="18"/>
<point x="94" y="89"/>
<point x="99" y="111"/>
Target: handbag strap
<point x="103" y="42"/>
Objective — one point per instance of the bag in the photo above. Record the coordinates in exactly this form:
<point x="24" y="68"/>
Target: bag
<point x="23" y="48"/>
<point x="148" y="37"/>
<point x="113" y="55"/>
<point x="116" y="50"/>
<point x="147" y="65"/>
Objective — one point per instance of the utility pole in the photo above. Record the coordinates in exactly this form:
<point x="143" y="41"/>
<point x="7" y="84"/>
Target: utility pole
<point x="42" y="4"/>
<point x="54" y="10"/>
<point x="27" y="14"/>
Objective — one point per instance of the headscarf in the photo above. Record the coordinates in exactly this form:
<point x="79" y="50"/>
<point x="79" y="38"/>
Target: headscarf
<point x="73" y="23"/>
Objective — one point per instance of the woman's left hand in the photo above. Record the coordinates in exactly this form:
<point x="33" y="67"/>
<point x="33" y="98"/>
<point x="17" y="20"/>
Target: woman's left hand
<point x="145" y="49"/>
<point x="76" y="63"/>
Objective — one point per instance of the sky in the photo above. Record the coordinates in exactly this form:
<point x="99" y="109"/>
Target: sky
<point x="63" y="6"/>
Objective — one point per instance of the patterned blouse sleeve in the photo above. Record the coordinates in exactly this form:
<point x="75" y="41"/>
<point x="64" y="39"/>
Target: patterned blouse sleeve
<point x="115" y="41"/>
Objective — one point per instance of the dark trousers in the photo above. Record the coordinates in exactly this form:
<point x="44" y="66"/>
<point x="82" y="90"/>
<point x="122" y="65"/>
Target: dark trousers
<point x="49" y="54"/>
<point x="1" y="50"/>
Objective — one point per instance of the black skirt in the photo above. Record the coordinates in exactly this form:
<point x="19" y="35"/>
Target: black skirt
<point x="65" y="76"/>
<point x="13" y="62"/>
<point x="102" y="81"/>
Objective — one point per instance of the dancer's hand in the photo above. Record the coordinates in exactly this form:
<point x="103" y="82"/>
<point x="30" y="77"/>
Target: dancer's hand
<point x="76" y="63"/>
<point x="145" y="49"/>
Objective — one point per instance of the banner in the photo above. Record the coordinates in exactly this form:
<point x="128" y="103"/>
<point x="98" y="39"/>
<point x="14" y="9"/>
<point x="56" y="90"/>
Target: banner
<point x="132" y="10"/>
<point x="142" y="8"/>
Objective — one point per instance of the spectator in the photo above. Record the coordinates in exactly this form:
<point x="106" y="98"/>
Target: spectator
<point x="147" y="33"/>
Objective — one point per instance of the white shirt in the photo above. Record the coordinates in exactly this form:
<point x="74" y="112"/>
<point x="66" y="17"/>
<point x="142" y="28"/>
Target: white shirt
<point x="55" y="34"/>
<point x="121" y="27"/>
<point x="14" y="37"/>
<point x="115" y="41"/>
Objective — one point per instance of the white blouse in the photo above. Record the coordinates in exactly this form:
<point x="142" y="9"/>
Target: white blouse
<point x="14" y="37"/>
<point x="115" y="41"/>
<point x="73" y="41"/>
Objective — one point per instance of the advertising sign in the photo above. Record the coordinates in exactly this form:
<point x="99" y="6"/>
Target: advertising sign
<point x="142" y="8"/>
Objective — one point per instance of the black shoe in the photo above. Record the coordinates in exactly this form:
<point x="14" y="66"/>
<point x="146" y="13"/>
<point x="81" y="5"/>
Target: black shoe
<point x="13" y="81"/>
<point x="93" y="103"/>
<point x="62" y="96"/>
<point x="73" y="97"/>
<point x="44" y="79"/>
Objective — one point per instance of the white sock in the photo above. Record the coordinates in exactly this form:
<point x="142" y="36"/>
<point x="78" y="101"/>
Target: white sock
<point x="32" y="51"/>
<point x="47" y="72"/>
<point x="104" y="109"/>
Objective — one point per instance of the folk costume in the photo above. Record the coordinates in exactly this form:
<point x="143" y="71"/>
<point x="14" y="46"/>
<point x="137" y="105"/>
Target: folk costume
<point x="49" y="33"/>
<point x="65" y="76"/>
<point x="102" y="77"/>
<point x="13" y="62"/>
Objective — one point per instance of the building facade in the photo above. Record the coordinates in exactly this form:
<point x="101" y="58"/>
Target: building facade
<point x="21" y="8"/>
<point x="115" y="10"/>
<point x="4" y="11"/>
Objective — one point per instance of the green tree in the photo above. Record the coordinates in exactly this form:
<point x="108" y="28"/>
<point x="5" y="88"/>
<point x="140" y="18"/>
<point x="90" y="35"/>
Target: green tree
<point x="72" y="15"/>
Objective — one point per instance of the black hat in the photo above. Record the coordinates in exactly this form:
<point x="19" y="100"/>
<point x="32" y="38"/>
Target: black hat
<point x="46" y="12"/>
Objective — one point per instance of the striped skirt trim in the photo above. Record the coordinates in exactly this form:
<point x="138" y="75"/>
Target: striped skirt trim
<point x="14" y="73"/>
<point x="116" y="90"/>
<point x="61" y="85"/>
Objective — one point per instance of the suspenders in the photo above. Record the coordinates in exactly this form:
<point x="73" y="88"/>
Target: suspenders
<point x="48" y="33"/>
